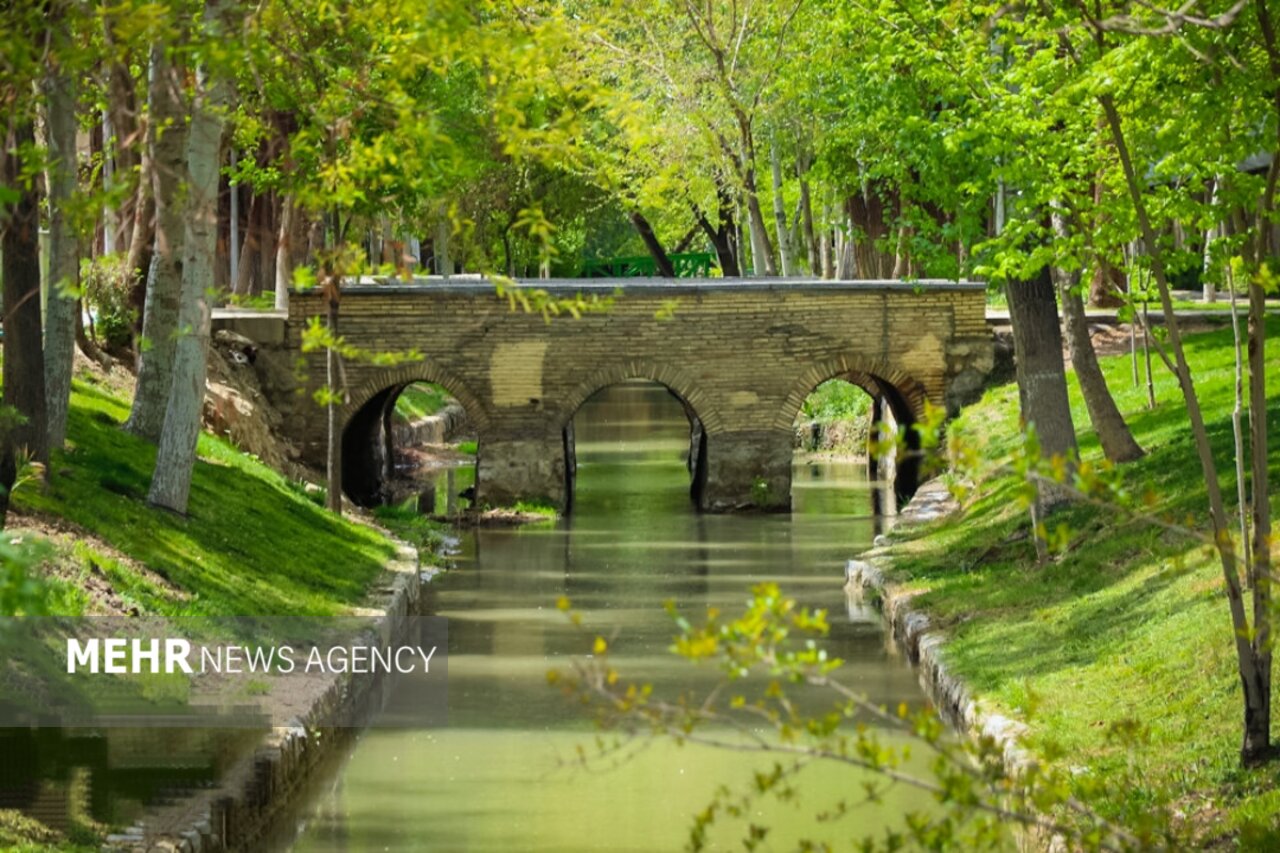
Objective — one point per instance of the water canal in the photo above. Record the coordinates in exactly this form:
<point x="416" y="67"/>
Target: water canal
<point x="502" y="775"/>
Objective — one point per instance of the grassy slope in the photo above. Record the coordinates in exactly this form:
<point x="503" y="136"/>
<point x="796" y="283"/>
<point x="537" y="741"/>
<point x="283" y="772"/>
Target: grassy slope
<point x="1129" y="625"/>
<point x="253" y="543"/>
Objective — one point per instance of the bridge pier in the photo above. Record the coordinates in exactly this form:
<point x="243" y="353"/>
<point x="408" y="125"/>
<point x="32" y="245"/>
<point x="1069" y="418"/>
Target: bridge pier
<point x="510" y="470"/>
<point x="748" y="469"/>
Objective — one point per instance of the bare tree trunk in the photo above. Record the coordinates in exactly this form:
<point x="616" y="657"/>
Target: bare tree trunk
<point x="24" y="388"/>
<point x="164" y="278"/>
<point x="1041" y="374"/>
<point x="444" y="264"/>
<point x="141" y="244"/>
<point x="846" y="260"/>
<point x="761" y="252"/>
<point x="806" y="221"/>
<point x="1117" y="441"/>
<point x="284" y="272"/>
<point x="64" y="267"/>
<point x="123" y="113"/>
<point x="665" y="268"/>
<point x="1258" y="722"/>
<point x="1207" y="272"/>
<point x="333" y="451"/>
<point x="1254" y="668"/>
<point x="785" y="254"/>
<point x="176" y="454"/>
<point x="266" y="244"/>
<point x="243" y="280"/>
<point x="110" y="216"/>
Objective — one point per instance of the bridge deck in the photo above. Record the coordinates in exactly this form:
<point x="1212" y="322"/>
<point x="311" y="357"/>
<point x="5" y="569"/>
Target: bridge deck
<point x="569" y="286"/>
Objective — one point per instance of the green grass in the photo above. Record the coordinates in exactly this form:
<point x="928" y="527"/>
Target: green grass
<point x="536" y="508"/>
<point x="1130" y="625"/>
<point x="420" y="400"/>
<point x="413" y="527"/>
<point x="251" y="544"/>
<point x="468" y="447"/>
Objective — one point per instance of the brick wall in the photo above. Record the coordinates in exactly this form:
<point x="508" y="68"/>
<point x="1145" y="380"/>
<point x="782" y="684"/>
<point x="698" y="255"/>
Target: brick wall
<point x="742" y="355"/>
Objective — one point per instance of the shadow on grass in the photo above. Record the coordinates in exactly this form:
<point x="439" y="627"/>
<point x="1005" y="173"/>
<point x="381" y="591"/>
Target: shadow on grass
<point x="249" y="546"/>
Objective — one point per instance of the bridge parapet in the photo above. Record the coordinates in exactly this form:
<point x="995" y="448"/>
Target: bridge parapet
<point x="741" y="354"/>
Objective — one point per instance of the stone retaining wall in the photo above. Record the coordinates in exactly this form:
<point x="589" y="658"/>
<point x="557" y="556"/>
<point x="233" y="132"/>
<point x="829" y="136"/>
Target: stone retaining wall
<point x="870" y="574"/>
<point x="441" y="428"/>
<point x="243" y="811"/>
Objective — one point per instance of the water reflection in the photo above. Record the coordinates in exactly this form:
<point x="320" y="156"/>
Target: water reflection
<point x="502" y="776"/>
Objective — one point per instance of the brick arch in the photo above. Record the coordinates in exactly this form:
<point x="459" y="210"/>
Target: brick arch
<point x="417" y="372"/>
<point x="860" y="371"/>
<point x="673" y="378"/>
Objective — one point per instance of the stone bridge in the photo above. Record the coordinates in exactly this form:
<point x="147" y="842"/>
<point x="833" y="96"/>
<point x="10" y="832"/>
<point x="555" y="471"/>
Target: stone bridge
<point x="740" y="355"/>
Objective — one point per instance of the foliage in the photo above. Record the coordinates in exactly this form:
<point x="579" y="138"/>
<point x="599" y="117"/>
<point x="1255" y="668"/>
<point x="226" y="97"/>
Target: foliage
<point x="106" y="286"/>
<point x="779" y="696"/>
<point x="836" y="400"/>
<point x="1123" y="629"/>
<point x="406" y="523"/>
<point x="22" y="591"/>
<point x="420" y="400"/>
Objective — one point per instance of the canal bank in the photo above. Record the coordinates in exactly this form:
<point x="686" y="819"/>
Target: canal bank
<point x="507" y="772"/>
<point x="252" y="795"/>
<point x="869" y="576"/>
<point x="1116" y="654"/>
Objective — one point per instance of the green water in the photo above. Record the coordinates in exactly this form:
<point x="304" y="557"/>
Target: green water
<point x="502" y="775"/>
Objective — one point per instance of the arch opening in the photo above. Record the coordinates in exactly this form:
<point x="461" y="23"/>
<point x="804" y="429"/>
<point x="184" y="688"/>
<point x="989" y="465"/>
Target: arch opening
<point x="634" y="432"/>
<point x="863" y="414"/>
<point x="401" y="438"/>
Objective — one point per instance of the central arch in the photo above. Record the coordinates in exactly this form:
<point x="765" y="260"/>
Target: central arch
<point x="703" y="416"/>
<point x="365" y="421"/>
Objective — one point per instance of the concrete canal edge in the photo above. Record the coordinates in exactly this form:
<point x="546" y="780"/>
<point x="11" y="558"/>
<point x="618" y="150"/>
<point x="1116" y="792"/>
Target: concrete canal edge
<point x="255" y="791"/>
<point x="871" y="575"/>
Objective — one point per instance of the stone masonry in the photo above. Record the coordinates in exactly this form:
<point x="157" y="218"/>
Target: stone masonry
<point x="741" y="355"/>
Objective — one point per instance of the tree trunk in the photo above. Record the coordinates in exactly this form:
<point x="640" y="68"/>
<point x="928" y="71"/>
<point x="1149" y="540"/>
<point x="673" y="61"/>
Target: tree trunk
<point x="284" y="270"/>
<point x="761" y="252"/>
<point x="123" y="112"/>
<point x="266" y="244"/>
<point x="1254" y="671"/>
<point x="1041" y="373"/>
<point x="810" y="236"/>
<point x="248" y="255"/>
<point x="64" y="267"/>
<point x="868" y="230"/>
<point x="24" y="390"/>
<point x="333" y="452"/>
<point x="1117" y="441"/>
<point x="785" y="254"/>
<point x="665" y="268"/>
<point x="721" y="238"/>
<point x="723" y="235"/>
<point x="176" y="455"/>
<point x="440" y="247"/>
<point x="1208" y="276"/>
<point x="142" y="243"/>
<point x="164" y="277"/>
<point x="1258" y="720"/>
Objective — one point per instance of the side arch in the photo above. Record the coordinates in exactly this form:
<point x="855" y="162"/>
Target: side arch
<point x="407" y="374"/>
<point x="673" y="378"/>
<point x="366" y="451"/>
<point x="874" y="377"/>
